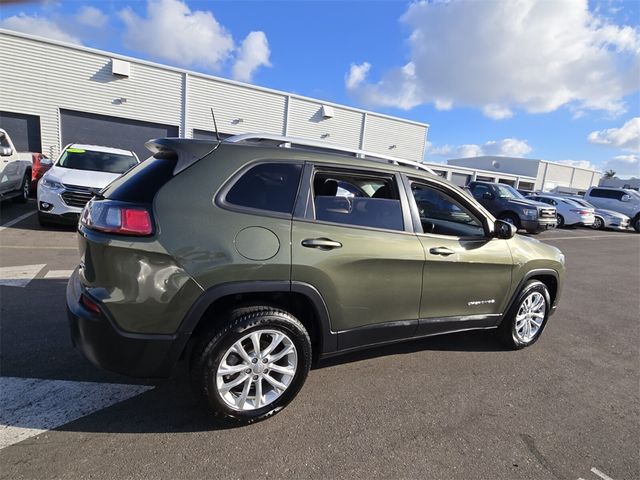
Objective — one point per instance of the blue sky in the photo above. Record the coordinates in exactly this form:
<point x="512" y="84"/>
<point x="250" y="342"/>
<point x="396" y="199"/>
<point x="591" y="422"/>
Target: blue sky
<point x="558" y="80"/>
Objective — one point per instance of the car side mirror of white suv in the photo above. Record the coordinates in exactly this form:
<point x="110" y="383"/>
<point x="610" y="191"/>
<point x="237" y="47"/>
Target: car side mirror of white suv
<point x="626" y="197"/>
<point x="5" y="151"/>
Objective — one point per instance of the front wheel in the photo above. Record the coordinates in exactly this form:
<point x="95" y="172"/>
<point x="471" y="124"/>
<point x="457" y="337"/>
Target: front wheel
<point x="636" y="223"/>
<point x="511" y="218"/>
<point x="523" y="324"/>
<point x="252" y="367"/>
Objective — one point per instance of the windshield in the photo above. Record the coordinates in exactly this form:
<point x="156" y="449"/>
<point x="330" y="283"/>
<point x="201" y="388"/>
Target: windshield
<point x="506" y="191"/>
<point x="633" y="193"/>
<point x="80" y="159"/>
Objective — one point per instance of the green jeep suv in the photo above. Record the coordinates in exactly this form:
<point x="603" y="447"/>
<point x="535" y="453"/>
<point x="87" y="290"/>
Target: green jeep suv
<point x="254" y="256"/>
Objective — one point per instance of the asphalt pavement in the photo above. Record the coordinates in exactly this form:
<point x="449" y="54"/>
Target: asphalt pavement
<point x="455" y="406"/>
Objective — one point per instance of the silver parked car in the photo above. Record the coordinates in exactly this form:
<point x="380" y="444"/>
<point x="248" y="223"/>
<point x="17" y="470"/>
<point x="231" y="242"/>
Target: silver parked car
<point x="605" y="218"/>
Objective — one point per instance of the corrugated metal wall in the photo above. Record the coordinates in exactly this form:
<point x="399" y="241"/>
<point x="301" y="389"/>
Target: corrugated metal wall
<point x="306" y="121"/>
<point x="393" y="137"/>
<point x="40" y="77"/>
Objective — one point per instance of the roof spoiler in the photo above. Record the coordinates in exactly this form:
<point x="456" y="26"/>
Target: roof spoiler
<point x="185" y="151"/>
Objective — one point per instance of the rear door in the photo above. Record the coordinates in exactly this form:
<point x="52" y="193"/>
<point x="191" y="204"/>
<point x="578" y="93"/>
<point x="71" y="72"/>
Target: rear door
<point x="353" y="240"/>
<point x="467" y="273"/>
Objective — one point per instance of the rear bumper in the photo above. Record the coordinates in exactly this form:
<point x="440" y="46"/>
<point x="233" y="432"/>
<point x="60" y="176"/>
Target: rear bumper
<point x="108" y="347"/>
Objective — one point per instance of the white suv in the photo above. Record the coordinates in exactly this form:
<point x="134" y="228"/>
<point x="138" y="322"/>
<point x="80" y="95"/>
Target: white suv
<point x="621" y="200"/>
<point x="79" y="173"/>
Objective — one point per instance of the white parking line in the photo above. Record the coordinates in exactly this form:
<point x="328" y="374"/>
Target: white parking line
<point x="31" y="406"/>
<point x="19" y="276"/>
<point x="58" y="274"/>
<point x="590" y="236"/>
<point x="600" y="474"/>
<point x="16" y="220"/>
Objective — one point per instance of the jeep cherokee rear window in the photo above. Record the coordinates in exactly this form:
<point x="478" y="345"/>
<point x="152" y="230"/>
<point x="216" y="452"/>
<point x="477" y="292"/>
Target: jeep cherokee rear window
<point x="268" y="186"/>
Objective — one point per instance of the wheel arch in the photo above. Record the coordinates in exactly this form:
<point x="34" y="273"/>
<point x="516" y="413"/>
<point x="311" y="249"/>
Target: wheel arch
<point x="549" y="277"/>
<point x="300" y="299"/>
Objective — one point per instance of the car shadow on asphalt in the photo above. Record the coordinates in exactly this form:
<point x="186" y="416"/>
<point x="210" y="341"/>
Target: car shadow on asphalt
<point x="35" y="343"/>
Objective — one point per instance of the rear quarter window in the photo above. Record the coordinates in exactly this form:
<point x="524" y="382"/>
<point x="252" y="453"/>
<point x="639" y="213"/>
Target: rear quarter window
<point x="268" y="186"/>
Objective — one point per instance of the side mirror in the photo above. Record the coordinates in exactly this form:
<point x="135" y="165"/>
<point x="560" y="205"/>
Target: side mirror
<point x="626" y="197"/>
<point x="5" y="151"/>
<point x="504" y="230"/>
<point x="488" y="196"/>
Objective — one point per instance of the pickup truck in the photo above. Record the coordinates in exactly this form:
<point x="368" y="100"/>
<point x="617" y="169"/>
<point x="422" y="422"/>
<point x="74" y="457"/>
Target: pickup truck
<point x="507" y="204"/>
<point x="15" y="171"/>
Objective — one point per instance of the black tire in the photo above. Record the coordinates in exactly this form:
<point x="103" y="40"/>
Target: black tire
<point x="511" y="218"/>
<point x="533" y="232"/>
<point x="25" y="189"/>
<point x="598" y="224"/>
<point x="507" y="329"/>
<point x="560" y="220"/>
<point x="636" y="223"/>
<point x="215" y="342"/>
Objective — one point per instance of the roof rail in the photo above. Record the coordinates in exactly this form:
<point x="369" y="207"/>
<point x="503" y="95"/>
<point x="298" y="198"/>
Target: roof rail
<point x="288" y="142"/>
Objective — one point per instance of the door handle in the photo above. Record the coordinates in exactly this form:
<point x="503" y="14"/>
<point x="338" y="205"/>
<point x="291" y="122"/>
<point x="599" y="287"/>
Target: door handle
<point x="444" y="251"/>
<point x="321" y="243"/>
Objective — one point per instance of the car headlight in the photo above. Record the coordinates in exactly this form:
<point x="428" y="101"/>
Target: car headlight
<point x="53" y="185"/>
<point x="530" y="212"/>
<point x="561" y="257"/>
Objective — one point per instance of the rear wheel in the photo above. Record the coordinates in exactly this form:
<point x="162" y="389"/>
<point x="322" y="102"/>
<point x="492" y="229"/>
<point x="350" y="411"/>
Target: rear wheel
<point x="560" y="220"/>
<point x="25" y="189"/>
<point x="523" y="324"/>
<point x="252" y="367"/>
<point x="511" y="218"/>
<point x="636" y="223"/>
<point x="598" y="224"/>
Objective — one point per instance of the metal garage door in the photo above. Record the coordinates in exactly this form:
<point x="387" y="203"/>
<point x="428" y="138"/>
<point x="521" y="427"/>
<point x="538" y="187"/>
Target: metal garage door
<point x="24" y="130"/>
<point x="80" y="127"/>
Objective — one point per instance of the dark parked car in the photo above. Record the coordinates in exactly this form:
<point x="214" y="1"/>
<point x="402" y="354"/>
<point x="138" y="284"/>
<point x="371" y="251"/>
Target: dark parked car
<point x="251" y="260"/>
<point x="507" y="204"/>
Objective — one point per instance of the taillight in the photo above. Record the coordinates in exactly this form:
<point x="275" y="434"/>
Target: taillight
<point x="113" y="217"/>
<point x="581" y="212"/>
<point x="90" y="304"/>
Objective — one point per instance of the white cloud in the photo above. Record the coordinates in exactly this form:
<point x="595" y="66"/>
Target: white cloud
<point x="357" y="74"/>
<point x="253" y="53"/>
<point x="532" y="55"/>
<point x="624" y="165"/>
<point x="41" y="27"/>
<point x="91" y="16"/>
<point x="508" y="147"/>
<point x="171" y="31"/>
<point x="626" y="137"/>
<point x="579" y="164"/>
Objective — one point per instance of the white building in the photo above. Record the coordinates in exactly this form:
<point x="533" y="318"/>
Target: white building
<point x="54" y="93"/>
<point x="531" y="174"/>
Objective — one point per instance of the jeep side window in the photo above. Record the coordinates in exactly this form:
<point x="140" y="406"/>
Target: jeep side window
<point x="268" y="186"/>
<point x="443" y="215"/>
<point x="3" y="141"/>
<point x="357" y="199"/>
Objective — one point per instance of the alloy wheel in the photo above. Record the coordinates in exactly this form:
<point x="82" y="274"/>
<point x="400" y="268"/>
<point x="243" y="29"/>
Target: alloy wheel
<point x="256" y="370"/>
<point x="530" y="317"/>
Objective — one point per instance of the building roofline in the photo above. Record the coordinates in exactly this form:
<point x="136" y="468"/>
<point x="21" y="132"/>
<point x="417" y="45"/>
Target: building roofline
<point x="119" y="56"/>
<point x="493" y="173"/>
<point x="529" y="159"/>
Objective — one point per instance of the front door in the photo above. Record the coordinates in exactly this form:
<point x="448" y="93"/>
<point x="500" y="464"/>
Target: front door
<point x="356" y="246"/>
<point x="467" y="274"/>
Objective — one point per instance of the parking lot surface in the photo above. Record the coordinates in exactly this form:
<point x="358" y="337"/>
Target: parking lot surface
<point x="454" y="406"/>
